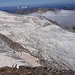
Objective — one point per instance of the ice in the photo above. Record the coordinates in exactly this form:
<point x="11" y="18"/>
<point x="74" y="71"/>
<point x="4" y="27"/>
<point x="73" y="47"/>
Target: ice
<point x="41" y="38"/>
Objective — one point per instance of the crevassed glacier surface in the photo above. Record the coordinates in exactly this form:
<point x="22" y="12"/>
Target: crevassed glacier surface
<point x="29" y="39"/>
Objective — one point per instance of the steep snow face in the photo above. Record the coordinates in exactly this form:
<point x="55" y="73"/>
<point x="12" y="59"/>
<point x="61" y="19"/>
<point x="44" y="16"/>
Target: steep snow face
<point x="42" y="39"/>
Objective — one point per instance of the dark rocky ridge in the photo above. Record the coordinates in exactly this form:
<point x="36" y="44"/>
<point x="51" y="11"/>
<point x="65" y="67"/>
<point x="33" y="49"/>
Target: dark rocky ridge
<point x="34" y="71"/>
<point x="71" y="29"/>
<point x="14" y="45"/>
<point x="38" y="9"/>
<point x="29" y="11"/>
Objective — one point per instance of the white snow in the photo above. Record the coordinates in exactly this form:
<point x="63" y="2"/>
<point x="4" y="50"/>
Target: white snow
<point x="5" y="32"/>
<point x="46" y="40"/>
<point x="8" y="61"/>
<point x="28" y="58"/>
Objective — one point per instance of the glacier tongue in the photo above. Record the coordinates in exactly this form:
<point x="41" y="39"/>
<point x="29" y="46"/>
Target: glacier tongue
<point x="42" y="39"/>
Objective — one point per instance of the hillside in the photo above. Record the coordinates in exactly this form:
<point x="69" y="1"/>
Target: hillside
<point x="35" y="41"/>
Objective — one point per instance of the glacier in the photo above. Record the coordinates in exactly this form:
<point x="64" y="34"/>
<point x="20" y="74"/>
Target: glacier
<point x="35" y="41"/>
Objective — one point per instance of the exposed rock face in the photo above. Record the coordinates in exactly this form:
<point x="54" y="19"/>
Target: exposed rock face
<point x="37" y="38"/>
<point x="38" y="10"/>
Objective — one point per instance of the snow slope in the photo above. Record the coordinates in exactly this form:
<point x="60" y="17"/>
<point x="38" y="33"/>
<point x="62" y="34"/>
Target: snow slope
<point x="41" y="39"/>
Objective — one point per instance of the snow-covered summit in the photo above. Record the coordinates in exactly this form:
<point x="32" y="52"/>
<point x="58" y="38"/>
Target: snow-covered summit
<point x="21" y="7"/>
<point x="38" y="37"/>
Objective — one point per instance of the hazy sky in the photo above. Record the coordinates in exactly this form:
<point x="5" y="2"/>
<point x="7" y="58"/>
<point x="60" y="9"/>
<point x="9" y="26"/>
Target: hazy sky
<point x="26" y="2"/>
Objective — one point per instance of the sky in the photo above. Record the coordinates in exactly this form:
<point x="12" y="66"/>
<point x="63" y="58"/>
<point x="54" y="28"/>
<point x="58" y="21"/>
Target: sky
<point x="28" y="2"/>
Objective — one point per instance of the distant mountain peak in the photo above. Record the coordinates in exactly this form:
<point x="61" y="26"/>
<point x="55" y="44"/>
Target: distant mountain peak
<point x="21" y="7"/>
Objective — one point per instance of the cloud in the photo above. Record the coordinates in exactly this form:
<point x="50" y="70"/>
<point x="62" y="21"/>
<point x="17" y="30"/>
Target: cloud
<point x="63" y="17"/>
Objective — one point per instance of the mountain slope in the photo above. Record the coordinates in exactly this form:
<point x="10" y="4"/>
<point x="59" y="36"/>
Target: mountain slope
<point x="49" y="44"/>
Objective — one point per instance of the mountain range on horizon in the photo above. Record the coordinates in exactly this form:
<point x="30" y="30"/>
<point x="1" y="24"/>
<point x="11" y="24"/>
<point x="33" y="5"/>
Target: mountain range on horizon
<point x="14" y="9"/>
